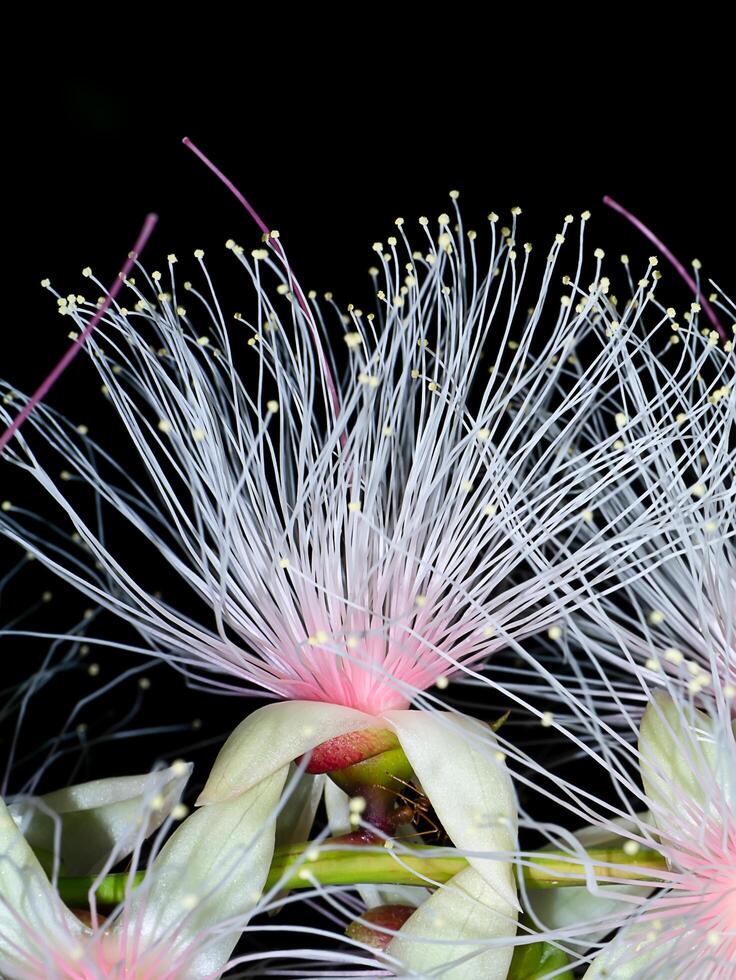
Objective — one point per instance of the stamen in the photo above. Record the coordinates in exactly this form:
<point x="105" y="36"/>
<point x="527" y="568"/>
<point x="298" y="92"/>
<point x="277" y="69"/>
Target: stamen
<point x="675" y="262"/>
<point x="145" y="233"/>
<point x="273" y="242"/>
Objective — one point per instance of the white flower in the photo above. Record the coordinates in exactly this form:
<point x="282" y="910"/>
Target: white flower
<point x="350" y="538"/>
<point x="180" y="922"/>
<point x="353" y="538"/>
<point x="462" y="773"/>
<point x="658" y="864"/>
<point x="90" y="825"/>
<point x="688" y="762"/>
<point x="670" y="615"/>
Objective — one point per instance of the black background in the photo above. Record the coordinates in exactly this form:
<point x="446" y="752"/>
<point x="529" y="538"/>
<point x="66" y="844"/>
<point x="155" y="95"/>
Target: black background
<point x="330" y="138"/>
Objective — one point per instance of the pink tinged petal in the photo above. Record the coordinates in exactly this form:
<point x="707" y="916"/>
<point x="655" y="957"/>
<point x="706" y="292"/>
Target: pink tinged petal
<point x="272" y="737"/>
<point x="460" y="931"/>
<point x="35" y="926"/>
<point x="688" y="767"/>
<point x="100" y="820"/>
<point x="462" y="772"/>
<point x="213" y="869"/>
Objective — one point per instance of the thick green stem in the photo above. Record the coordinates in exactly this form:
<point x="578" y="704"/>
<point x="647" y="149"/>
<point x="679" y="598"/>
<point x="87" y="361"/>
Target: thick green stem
<point x="303" y="865"/>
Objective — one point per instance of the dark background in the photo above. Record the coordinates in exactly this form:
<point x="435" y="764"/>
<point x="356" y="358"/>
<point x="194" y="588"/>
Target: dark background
<point x="331" y="149"/>
<point x="330" y="146"/>
<point x="330" y="139"/>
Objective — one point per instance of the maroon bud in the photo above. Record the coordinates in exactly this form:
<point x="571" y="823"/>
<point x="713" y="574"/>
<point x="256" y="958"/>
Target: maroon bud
<point x="346" y="750"/>
<point x="361" y="836"/>
<point x="376" y="927"/>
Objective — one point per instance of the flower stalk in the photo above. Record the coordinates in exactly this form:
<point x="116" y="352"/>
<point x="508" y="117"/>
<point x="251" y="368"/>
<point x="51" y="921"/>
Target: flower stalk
<point x="304" y="866"/>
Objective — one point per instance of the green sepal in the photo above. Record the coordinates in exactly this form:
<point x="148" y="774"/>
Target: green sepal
<point x="386" y="769"/>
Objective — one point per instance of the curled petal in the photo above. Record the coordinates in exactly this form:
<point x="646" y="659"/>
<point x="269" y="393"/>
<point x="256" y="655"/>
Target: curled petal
<point x="459" y="932"/>
<point x="679" y="759"/>
<point x="464" y="775"/>
<point x="299" y="808"/>
<point x="632" y="953"/>
<point x="35" y="926"/>
<point x="101" y="820"/>
<point x="213" y="869"/>
<point x="272" y="737"/>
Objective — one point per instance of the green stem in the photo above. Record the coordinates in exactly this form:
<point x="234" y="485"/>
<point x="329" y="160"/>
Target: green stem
<point x="406" y="865"/>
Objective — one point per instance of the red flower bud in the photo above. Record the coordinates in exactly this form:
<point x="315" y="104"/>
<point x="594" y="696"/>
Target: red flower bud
<point x="376" y="927"/>
<point x="347" y="750"/>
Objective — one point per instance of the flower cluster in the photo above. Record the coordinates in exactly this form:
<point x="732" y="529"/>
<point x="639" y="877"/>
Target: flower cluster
<point x="499" y="503"/>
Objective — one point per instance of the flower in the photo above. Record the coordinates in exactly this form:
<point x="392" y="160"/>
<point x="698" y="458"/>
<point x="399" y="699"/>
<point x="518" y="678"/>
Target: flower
<point x="654" y="864"/>
<point x="180" y="922"/>
<point x="461" y="771"/>
<point x="688" y="766"/>
<point x="672" y="615"/>
<point x="357" y="540"/>
<point x="90" y="825"/>
<point x="353" y="539"/>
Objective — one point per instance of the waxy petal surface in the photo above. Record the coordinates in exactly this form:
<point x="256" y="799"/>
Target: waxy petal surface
<point x="100" y="819"/>
<point x="212" y="869"/>
<point x="272" y="737"/>
<point x="459" y="931"/>
<point x="463" y="774"/>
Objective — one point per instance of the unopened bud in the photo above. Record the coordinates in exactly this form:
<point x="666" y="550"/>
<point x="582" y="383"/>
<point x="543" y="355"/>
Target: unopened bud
<point x="377" y="927"/>
<point x="347" y="750"/>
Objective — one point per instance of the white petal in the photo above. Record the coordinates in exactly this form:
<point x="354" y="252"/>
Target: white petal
<point x="337" y="804"/>
<point x="468" y="785"/>
<point x="212" y="869"/>
<point x="633" y="953"/>
<point x="564" y="909"/>
<point x="33" y="920"/>
<point x="272" y="737"/>
<point x="100" y="820"/>
<point x="338" y="817"/>
<point x="459" y="931"/>
<point x="297" y="812"/>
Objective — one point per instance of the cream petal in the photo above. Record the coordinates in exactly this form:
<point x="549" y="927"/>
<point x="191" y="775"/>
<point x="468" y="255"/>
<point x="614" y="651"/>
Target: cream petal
<point x="34" y="923"/>
<point x="272" y="737"/>
<point x="299" y="808"/>
<point x="211" y="870"/>
<point x="468" y="785"/>
<point x="562" y="909"/>
<point x="297" y="812"/>
<point x="458" y="932"/>
<point x="100" y="820"/>
<point x="338" y="809"/>
<point x="632" y="953"/>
